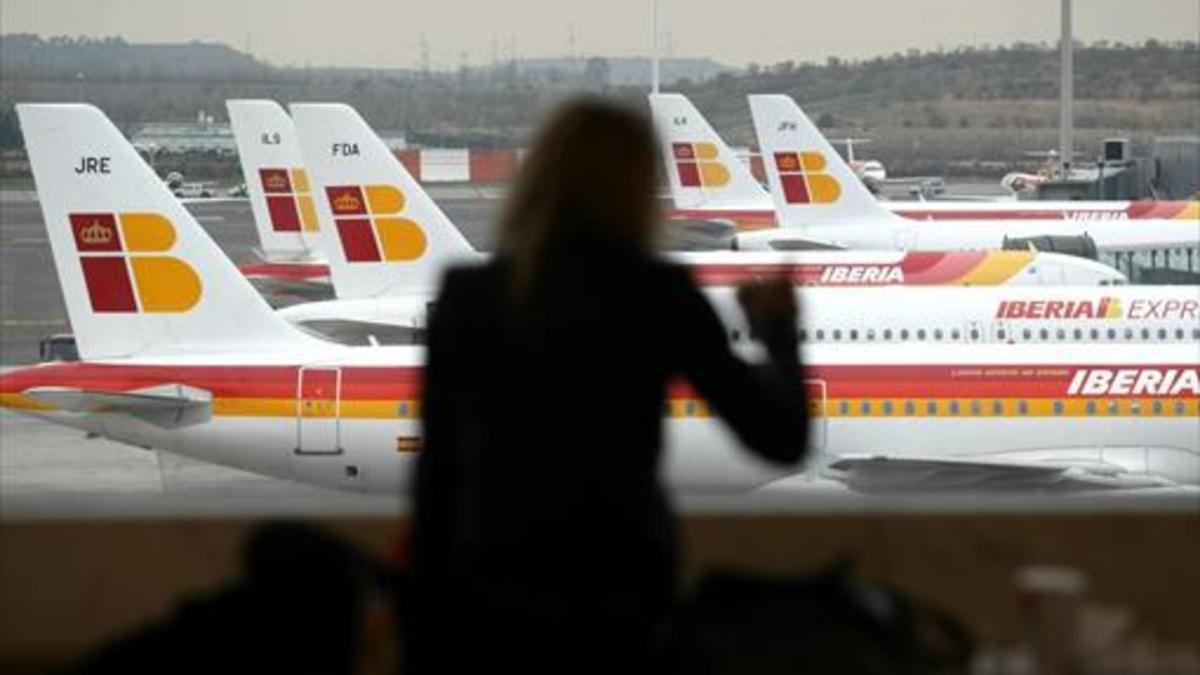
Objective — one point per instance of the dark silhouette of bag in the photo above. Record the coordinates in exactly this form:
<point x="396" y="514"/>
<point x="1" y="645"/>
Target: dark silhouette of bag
<point x="829" y="622"/>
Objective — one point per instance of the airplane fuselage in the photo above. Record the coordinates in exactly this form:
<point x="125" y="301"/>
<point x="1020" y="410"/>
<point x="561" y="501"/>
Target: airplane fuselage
<point x="349" y="418"/>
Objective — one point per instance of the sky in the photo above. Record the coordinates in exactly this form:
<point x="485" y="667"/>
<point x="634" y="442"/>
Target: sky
<point x="378" y="33"/>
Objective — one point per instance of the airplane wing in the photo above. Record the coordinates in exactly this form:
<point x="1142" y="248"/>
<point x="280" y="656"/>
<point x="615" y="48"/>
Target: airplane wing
<point x="882" y="474"/>
<point x="362" y="333"/>
<point x="168" y="406"/>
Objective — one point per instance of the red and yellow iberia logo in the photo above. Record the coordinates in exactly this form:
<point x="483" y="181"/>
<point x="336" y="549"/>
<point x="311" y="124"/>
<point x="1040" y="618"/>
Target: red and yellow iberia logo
<point x="804" y="180"/>
<point x="121" y="266"/>
<point x="289" y="201"/>
<point x="698" y="166"/>
<point x="370" y="225"/>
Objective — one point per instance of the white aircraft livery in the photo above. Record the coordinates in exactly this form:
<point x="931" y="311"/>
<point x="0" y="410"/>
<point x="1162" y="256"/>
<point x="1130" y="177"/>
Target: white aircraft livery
<point x="180" y="354"/>
<point x="820" y="201"/>
<point x="708" y="181"/>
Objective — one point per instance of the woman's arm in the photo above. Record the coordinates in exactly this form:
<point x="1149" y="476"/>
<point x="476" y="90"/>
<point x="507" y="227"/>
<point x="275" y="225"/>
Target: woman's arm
<point x="763" y="403"/>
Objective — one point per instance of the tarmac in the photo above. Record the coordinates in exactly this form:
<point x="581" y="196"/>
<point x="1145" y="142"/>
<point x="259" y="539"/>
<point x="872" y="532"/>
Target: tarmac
<point x="51" y="472"/>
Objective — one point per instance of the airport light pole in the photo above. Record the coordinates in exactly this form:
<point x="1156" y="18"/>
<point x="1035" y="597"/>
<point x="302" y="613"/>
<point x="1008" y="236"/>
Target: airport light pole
<point x="1066" y="149"/>
<point x="654" y="74"/>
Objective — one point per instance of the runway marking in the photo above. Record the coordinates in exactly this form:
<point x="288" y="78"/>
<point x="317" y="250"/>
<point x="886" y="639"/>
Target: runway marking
<point x="34" y="322"/>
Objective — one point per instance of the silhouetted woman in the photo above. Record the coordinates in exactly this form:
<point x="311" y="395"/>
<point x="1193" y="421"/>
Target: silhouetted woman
<point x="543" y="539"/>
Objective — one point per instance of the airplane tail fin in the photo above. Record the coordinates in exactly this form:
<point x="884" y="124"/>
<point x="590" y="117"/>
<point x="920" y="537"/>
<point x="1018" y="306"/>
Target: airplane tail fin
<point x="387" y="237"/>
<point x="810" y="182"/>
<point x="138" y="273"/>
<point x="703" y="171"/>
<point x="277" y="183"/>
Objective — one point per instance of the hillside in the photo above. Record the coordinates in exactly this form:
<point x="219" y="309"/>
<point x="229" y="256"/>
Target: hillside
<point x="923" y="110"/>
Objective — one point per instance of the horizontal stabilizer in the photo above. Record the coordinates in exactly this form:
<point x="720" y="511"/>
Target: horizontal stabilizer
<point x="882" y="474"/>
<point x="168" y="406"/>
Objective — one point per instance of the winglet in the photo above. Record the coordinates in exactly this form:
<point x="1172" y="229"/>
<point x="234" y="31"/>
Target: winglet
<point x="138" y="273"/>
<point x="387" y="236"/>
<point x="276" y="181"/>
<point x="810" y="182"/>
<point x="703" y="171"/>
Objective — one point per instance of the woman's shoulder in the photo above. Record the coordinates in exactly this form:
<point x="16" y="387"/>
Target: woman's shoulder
<point x="466" y="277"/>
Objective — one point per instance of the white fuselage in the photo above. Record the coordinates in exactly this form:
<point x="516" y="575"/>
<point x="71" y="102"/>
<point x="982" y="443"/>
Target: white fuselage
<point x="999" y="402"/>
<point x="927" y="315"/>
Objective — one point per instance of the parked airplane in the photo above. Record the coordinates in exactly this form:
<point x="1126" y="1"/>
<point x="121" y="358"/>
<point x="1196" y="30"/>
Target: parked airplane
<point x="384" y="286"/>
<point x="821" y="202"/>
<point x="731" y="188"/>
<point x="181" y="354"/>
<point x="260" y="120"/>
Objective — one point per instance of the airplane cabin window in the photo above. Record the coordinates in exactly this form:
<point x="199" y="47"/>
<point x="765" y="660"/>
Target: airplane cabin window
<point x="1022" y="407"/>
<point x="1158" y="408"/>
<point x="854" y="334"/>
<point x="820" y="334"/>
<point x="1179" y="407"/>
<point x="1145" y="333"/>
<point x="1095" y="333"/>
<point x="1000" y="334"/>
<point x="910" y="408"/>
<point x="1078" y="333"/>
<point x="1058" y="407"/>
<point x="1060" y="334"/>
<point x="974" y="335"/>
<point x="843" y="408"/>
<point x="937" y="334"/>
<point x="1162" y="333"/>
<point x="931" y="408"/>
<point x="921" y="334"/>
<point x="1195" y="333"/>
<point x="887" y="334"/>
<point x="1027" y="334"/>
<point x="1128" y="333"/>
<point x="837" y="334"/>
<point x="1113" y="407"/>
<point x="1044" y="334"/>
<point x="997" y="407"/>
<point x="976" y="407"/>
<point x="870" y="334"/>
<point x="904" y="334"/>
<point x="1091" y="407"/>
<point x="953" y="407"/>
<point x="865" y="407"/>
<point x="1112" y="334"/>
<point x="1135" y="407"/>
<point x="887" y="407"/>
<point x="955" y="335"/>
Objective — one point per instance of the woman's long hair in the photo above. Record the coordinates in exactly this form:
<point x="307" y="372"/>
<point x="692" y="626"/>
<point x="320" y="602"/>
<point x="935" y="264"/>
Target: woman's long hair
<point x="589" y="177"/>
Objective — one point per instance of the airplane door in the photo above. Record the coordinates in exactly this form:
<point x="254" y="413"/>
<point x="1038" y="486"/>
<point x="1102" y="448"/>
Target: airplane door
<point x="818" y="422"/>
<point x="318" y="407"/>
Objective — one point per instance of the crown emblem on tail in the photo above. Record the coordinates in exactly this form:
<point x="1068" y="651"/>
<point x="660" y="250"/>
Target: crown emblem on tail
<point x="275" y="182"/>
<point x="347" y="202"/>
<point x="96" y="233"/>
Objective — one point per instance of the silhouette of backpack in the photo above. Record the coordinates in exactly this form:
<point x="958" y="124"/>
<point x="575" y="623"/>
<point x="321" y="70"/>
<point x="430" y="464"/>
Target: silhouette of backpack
<point x="829" y="622"/>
